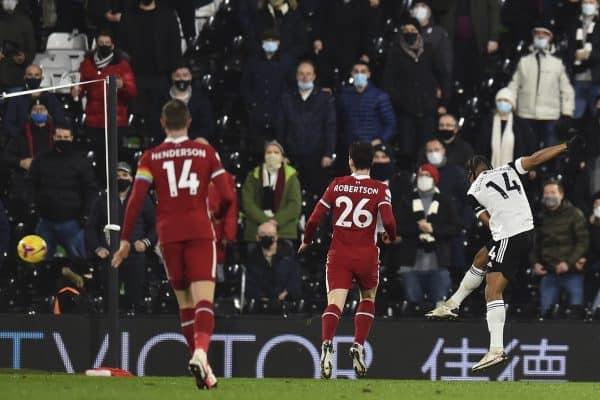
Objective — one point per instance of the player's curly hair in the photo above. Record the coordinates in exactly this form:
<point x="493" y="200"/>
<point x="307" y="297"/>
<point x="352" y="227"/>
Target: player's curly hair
<point x="475" y="163"/>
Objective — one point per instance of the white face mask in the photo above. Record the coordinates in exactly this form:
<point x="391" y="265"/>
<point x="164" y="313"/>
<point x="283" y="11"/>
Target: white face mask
<point x="273" y="161"/>
<point x="435" y="157"/>
<point x="589" y="9"/>
<point x="421" y="13"/>
<point x="9" y="5"/>
<point x="425" y="183"/>
<point x="597" y="212"/>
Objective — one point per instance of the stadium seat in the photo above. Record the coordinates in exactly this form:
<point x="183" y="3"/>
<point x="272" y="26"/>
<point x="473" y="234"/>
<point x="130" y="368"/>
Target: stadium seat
<point x="67" y="41"/>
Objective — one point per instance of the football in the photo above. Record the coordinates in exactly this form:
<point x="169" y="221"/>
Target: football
<point x="32" y="249"/>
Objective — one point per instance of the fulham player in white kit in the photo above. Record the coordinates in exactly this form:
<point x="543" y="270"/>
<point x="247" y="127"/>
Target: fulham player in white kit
<point x="500" y="202"/>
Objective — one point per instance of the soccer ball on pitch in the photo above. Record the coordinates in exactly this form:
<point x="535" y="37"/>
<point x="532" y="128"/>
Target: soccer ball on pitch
<point x="32" y="249"/>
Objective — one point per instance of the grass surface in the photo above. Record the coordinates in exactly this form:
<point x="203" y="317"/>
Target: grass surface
<point x="41" y="386"/>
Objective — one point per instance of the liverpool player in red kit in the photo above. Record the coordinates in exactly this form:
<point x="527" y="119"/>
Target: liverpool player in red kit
<point x="357" y="202"/>
<point x="181" y="171"/>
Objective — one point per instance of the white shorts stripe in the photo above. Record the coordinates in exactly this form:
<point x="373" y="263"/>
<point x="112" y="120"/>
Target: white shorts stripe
<point x="214" y="260"/>
<point x="365" y="314"/>
<point x="187" y="323"/>
<point x="204" y="309"/>
<point x="330" y="313"/>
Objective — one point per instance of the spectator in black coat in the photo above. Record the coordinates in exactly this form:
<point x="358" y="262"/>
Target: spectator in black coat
<point x="35" y="137"/>
<point x="4" y="234"/>
<point x="107" y="14"/>
<point x="412" y="75"/>
<point x="590" y="128"/>
<point x="150" y="35"/>
<point x="283" y="17"/>
<point x="504" y="136"/>
<point x="264" y="80"/>
<point x="17" y="108"/>
<point x="593" y="256"/>
<point x="458" y="150"/>
<point x="344" y="31"/>
<point x="273" y="271"/>
<point x="63" y="185"/>
<point x="201" y="110"/>
<point x="17" y="45"/>
<point x="133" y="275"/>
<point x="427" y="225"/>
<point x="306" y="125"/>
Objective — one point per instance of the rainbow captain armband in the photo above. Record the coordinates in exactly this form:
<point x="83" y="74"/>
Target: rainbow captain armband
<point x="144" y="173"/>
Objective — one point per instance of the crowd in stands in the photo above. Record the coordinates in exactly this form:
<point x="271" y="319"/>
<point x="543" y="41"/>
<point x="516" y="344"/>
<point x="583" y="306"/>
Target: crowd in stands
<point x="281" y="88"/>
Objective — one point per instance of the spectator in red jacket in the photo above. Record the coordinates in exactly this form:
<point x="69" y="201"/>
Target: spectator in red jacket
<point x="101" y="62"/>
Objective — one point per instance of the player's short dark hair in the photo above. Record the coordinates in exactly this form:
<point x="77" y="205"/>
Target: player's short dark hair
<point x="361" y="62"/>
<point x="475" y="163"/>
<point x="361" y="154"/>
<point x="554" y="181"/>
<point x="175" y="114"/>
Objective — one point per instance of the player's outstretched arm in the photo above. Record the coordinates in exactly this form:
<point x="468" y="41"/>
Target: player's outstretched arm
<point x="575" y="145"/>
<point x="313" y="222"/>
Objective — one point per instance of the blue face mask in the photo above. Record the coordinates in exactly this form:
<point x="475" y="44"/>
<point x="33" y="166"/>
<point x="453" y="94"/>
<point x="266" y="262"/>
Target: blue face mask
<point x="360" y="80"/>
<point x="540" y="43"/>
<point x="39" y="118"/>
<point x="305" y="85"/>
<point x="270" y="46"/>
<point x="589" y="9"/>
<point x="503" y="106"/>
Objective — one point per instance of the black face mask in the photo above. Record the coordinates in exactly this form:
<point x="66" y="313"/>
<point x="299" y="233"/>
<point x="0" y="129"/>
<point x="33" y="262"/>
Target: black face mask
<point x="410" y="38"/>
<point x="63" y="146"/>
<point x="445" y="134"/>
<point x="32" y="83"/>
<point x="123" y="184"/>
<point x="382" y="171"/>
<point x="266" y="241"/>
<point x="104" y="51"/>
<point x="182" y="85"/>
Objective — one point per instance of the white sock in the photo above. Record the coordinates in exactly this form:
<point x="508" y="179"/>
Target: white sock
<point x="496" y="315"/>
<point x="471" y="281"/>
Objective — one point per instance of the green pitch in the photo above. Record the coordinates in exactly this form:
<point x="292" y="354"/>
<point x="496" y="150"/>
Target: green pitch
<point x="41" y="386"/>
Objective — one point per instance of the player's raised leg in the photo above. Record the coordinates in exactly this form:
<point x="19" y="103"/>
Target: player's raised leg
<point x="336" y="298"/>
<point x="471" y="281"/>
<point x="496" y="315"/>
<point x="363" y="320"/>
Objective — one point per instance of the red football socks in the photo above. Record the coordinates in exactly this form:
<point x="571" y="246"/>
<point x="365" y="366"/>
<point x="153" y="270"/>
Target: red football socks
<point x="363" y="319"/>
<point x="204" y="323"/>
<point x="329" y="321"/>
<point x="186" y="315"/>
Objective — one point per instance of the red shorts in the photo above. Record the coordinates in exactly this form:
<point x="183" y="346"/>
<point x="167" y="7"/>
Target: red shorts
<point x="359" y="265"/>
<point x="189" y="261"/>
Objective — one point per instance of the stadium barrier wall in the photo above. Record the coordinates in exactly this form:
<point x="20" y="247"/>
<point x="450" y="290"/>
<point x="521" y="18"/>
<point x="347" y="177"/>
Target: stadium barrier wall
<point x="257" y="347"/>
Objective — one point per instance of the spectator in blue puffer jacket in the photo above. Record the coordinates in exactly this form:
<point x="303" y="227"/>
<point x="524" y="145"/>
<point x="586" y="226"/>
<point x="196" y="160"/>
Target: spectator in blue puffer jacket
<point x="306" y="127"/>
<point x="365" y="112"/>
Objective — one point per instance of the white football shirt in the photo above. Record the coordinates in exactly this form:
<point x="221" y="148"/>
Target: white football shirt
<point x="499" y="192"/>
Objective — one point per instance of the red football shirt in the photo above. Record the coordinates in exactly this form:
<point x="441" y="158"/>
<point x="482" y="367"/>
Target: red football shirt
<point x="181" y="171"/>
<point x="356" y="202"/>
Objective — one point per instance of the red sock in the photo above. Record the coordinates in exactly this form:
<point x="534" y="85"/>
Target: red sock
<point x="186" y="316"/>
<point x="204" y="323"/>
<point x="363" y="319"/>
<point x="329" y="321"/>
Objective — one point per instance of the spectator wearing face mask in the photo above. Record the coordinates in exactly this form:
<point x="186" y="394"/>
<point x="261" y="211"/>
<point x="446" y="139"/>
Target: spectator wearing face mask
<point x="458" y="150"/>
<point x="272" y="268"/>
<point x="100" y="63"/>
<point x="433" y="33"/>
<point x="133" y="274"/>
<point x="150" y="35"/>
<point x="427" y="224"/>
<point x="590" y="128"/>
<point x="561" y="243"/>
<point x="63" y="186"/>
<point x="365" y="112"/>
<point x="283" y="17"/>
<point x="17" y="108"/>
<point x="542" y="97"/>
<point x="35" y="138"/>
<point x="17" y="46"/>
<point x="584" y="57"/>
<point x="264" y="79"/>
<point x="306" y="126"/>
<point x="271" y="192"/>
<point x="195" y="97"/>
<point x="384" y="170"/>
<point x="412" y="75"/>
<point x="504" y="136"/>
